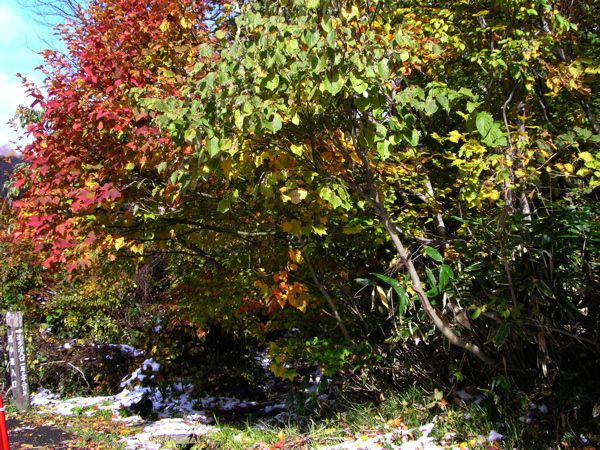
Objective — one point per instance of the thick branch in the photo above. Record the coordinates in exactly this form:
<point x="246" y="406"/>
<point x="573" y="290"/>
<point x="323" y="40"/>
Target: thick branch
<point x="412" y="271"/>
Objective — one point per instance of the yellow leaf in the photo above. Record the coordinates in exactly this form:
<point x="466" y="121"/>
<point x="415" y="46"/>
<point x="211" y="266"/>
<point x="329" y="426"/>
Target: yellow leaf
<point x="296" y="149"/>
<point x="184" y="23"/>
<point x="455" y="136"/>
<point x="284" y="194"/>
<point x="298" y="301"/>
<point x="349" y="13"/>
<point x="119" y="243"/>
<point x="383" y="297"/>
<point x="137" y="248"/>
<point x="395" y="423"/>
<point x="295" y="255"/>
<point x="586" y="156"/>
<point x="164" y="26"/>
<point x="584" y="172"/>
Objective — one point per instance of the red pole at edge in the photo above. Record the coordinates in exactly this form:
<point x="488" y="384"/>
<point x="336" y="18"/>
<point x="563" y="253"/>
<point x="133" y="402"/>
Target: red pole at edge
<point x="4" y="445"/>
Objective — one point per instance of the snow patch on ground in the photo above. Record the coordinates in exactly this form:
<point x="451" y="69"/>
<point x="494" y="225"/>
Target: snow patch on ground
<point x="149" y="365"/>
<point x="192" y="424"/>
<point x="127" y="350"/>
<point x="398" y="438"/>
<point x="181" y="430"/>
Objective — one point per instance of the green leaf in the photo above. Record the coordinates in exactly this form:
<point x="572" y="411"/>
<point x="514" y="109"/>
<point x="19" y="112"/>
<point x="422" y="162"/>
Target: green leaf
<point x="431" y="106"/>
<point x="484" y="122"/>
<point x="212" y="147"/>
<point x="224" y="204"/>
<point x="310" y="38"/>
<point x="358" y="84"/>
<point x="446" y="274"/>
<point x="272" y="81"/>
<point x="189" y="134"/>
<point x="326" y="23"/>
<point x="161" y="167"/>
<point x="333" y="83"/>
<point x="383" y="149"/>
<point x="433" y="253"/>
<point x="443" y="101"/>
<point x="433" y="284"/>
<point x="501" y="334"/>
<point x="276" y="123"/>
<point x="312" y="4"/>
<point x="400" y="291"/>
<point x="490" y="131"/>
<point x="414" y="138"/>
<point x="383" y="68"/>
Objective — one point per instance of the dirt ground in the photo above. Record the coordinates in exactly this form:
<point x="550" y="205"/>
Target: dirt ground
<point x="27" y="435"/>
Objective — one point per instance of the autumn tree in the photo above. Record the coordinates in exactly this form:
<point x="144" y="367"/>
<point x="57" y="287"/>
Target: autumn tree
<point x="96" y="160"/>
<point x="421" y="121"/>
<point x="304" y="159"/>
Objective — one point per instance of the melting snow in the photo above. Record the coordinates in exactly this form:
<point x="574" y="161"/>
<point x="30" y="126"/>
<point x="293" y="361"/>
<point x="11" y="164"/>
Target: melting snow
<point x="137" y="375"/>
<point x="171" y="429"/>
<point x="127" y="349"/>
<point x="495" y="436"/>
<point x="398" y="438"/>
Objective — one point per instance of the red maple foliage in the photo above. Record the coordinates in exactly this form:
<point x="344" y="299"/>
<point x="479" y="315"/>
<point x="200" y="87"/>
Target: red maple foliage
<point x="92" y="146"/>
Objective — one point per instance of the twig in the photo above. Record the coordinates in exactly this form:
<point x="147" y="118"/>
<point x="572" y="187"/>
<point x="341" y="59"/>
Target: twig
<point x="325" y="294"/>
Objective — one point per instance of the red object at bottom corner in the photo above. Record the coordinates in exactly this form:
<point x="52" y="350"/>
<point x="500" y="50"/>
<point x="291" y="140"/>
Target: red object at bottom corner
<point x="4" y="444"/>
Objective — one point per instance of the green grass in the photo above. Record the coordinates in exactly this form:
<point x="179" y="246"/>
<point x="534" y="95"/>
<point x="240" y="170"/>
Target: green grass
<point x="470" y="423"/>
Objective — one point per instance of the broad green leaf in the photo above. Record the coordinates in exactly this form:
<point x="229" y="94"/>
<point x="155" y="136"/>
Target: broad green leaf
<point x="433" y="253"/>
<point x="272" y="81"/>
<point x="446" y="274"/>
<point x="383" y="68"/>
<point x="358" y="84"/>
<point x="161" y="167"/>
<point x="276" y="123"/>
<point x="312" y="4"/>
<point x="189" y="134"/>
<point x="501" y="334"/>
<point x="333" y="83"/>
<point x="212" y="147"/>
<point x="490" y="131"/>
<point x="400" y="292"/>
<point x="383" y="149"/>
<point x="484" y="122"/>
<point x="326" y="24"/>
<point x="443" y="101"/>
<point x="413" y="139"/>
<point x="310" y="38"/>
<point x="224" y="204"/>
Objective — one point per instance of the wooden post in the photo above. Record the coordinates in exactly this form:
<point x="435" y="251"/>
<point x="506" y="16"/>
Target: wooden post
<point x="16" y="356"/>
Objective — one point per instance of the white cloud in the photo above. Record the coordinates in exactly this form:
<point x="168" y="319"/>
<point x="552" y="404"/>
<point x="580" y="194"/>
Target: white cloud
<point x="12" y="94"/>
